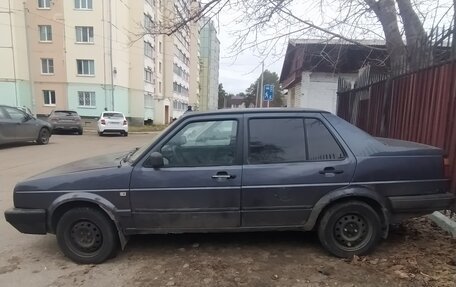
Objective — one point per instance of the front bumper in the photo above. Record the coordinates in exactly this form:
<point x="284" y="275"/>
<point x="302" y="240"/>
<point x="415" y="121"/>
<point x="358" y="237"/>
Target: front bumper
<point x="422" y="203"/>
<point x="30" y="221"/>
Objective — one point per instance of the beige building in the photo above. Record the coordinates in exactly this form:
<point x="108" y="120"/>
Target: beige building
<point x="92" y="55"/>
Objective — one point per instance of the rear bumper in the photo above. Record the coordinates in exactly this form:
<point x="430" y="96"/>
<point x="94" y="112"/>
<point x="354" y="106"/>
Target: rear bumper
<point x="422" y="204"/>
<point x="66" y="127"/>
<point x="30" y="221"/>
<point x="113" y="129"/>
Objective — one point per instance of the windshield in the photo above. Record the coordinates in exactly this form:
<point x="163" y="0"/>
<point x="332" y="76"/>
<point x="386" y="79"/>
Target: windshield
<point x="138" y="153"/>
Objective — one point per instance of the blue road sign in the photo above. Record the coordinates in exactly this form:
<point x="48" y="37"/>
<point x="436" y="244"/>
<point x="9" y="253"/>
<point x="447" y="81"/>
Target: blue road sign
<point x="268" y="93"/>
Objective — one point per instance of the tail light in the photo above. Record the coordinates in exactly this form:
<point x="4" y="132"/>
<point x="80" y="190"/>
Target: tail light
<point x="125" y="122"/>
<point x="103" y="122"/>
<point x="446" y="167"/>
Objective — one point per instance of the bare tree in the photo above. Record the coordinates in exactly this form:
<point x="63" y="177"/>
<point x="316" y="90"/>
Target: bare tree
<point x="265" y="22"/>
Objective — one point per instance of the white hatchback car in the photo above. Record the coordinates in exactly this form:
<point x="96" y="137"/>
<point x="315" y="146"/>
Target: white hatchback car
<point x="112" y="122"/>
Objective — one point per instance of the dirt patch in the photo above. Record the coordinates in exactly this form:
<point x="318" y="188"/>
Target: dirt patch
<point x="13" y="264"/>
<point x="416" y="254"/>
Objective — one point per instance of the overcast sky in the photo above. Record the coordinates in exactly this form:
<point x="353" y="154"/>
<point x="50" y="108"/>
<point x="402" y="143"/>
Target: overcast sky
<point x="237" y="73"/>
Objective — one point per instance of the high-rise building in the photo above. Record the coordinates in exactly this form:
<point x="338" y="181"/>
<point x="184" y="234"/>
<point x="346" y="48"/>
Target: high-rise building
<point x="209" y="69"/>
<point x="92" y="56"/>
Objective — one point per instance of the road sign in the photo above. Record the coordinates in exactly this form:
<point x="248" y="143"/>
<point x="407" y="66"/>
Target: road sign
<point x="268" y="94"/>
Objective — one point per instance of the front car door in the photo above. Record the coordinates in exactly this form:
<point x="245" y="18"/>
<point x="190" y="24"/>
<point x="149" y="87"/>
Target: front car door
<point x="26" y="128"/>
<point x="7" y="127"/>
<point x="291" y="161"/>
<point x="199" y="186"/>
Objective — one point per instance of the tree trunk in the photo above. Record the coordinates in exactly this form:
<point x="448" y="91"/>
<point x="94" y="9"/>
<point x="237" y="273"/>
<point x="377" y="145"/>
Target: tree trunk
<point x="414" y="34"/>
<point x="385" y="10"/>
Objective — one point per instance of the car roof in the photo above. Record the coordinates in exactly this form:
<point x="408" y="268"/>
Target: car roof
<point x="256" y="110"/>
<point x="64" y="111"/>
<point x="112" y="112"/>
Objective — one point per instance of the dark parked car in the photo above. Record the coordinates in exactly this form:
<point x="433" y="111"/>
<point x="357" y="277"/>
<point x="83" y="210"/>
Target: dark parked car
<point x="19" y="126"/>
<point x="63" y="120"/>
<point x="238" y="170"/>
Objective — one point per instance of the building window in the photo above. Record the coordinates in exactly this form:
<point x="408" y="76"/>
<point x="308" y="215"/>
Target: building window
<point x="47" y="66"/>
<point x="160" y="47"/>
<point x="45" y="33"/>
<point x="44" y="4"/>
<point x="148" y="75"/>
<point x="83" y="4"/>
<point x="159" y="67"/>
<point x="86" y="67"/>
<point x="84" y="34"/>
<point x="148" y="100"/>
<point x="49" y="97"/>
<point x="148" y="22"/>
<point x="159" y="87"/>
<point x="87" y="99"/>
<point x="148" y="49"/>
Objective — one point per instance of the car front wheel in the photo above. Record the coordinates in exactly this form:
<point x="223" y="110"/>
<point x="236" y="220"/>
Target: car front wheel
<point x="349" y="228"/>
<point x="86" y="235"/>
<point x="43" y="136"/>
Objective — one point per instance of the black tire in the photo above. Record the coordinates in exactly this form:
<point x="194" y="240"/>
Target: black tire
<point x="125" y="134"/>
<point x="349" y="228"/>
<point x="87" y="236"/>
<point x="80" y="132"/>
<point x="100" y="134"/>
<point x="43" y="136"/>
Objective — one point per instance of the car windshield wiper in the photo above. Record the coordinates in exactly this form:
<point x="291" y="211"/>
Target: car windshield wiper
<point x="128" y="155"/>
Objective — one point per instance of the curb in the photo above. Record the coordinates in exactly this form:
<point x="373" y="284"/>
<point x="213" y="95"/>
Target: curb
<point x="444" y="222"/>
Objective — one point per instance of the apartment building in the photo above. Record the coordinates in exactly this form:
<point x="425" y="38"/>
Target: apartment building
<point x="15" y="86"/>
<point x="209" y="71"/>
<point x="95" y="55"/>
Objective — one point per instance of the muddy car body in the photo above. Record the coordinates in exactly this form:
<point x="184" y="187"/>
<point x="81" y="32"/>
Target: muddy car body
<point x="238" y="170"/>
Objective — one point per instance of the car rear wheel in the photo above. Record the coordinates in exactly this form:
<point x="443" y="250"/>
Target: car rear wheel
<point x="349" y="228"/>
<point x="100" y="133"/>
<point x="125" y="134"/>
<point x="43" y="136"/>
<point x="86" y="235"/>
<point x="80" y="132"/>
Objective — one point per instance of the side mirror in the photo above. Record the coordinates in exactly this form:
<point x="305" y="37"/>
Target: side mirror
<point x="26" y="118"/>
<point x="155" y="160"/>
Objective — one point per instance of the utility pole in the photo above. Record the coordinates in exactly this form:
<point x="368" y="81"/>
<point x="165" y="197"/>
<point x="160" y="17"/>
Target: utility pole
<point x="257" y="92"/>
<point x="261" y="87"/>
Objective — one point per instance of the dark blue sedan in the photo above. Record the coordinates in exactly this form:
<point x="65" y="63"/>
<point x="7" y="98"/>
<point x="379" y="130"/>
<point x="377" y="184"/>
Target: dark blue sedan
<point x="238" y="170"/>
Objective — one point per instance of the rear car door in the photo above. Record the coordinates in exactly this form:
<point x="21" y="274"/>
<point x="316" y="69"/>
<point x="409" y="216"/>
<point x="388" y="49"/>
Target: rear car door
<point x="291" y="161"/>
<point x="199" y="186"/>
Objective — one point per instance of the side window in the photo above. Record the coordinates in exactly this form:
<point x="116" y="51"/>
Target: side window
<point x="276" y="140"/>
<point x="3" y="115"/>
<point x="321" y="143"/>
<point x="208" y="143"/>
<point x="15" y="114"/>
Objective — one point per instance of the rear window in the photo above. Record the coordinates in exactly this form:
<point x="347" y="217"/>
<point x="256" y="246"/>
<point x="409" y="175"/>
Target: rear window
<point x="113" y="115"/>
<point x="66" y="113"/>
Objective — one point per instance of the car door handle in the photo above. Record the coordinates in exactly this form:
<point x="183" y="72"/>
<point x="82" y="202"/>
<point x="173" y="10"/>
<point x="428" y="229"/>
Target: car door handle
<point x="331" y="170"/>
<point x="223" y="175"/>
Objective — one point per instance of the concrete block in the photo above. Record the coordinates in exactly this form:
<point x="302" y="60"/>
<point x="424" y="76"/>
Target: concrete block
<point x="444" y="222"/>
